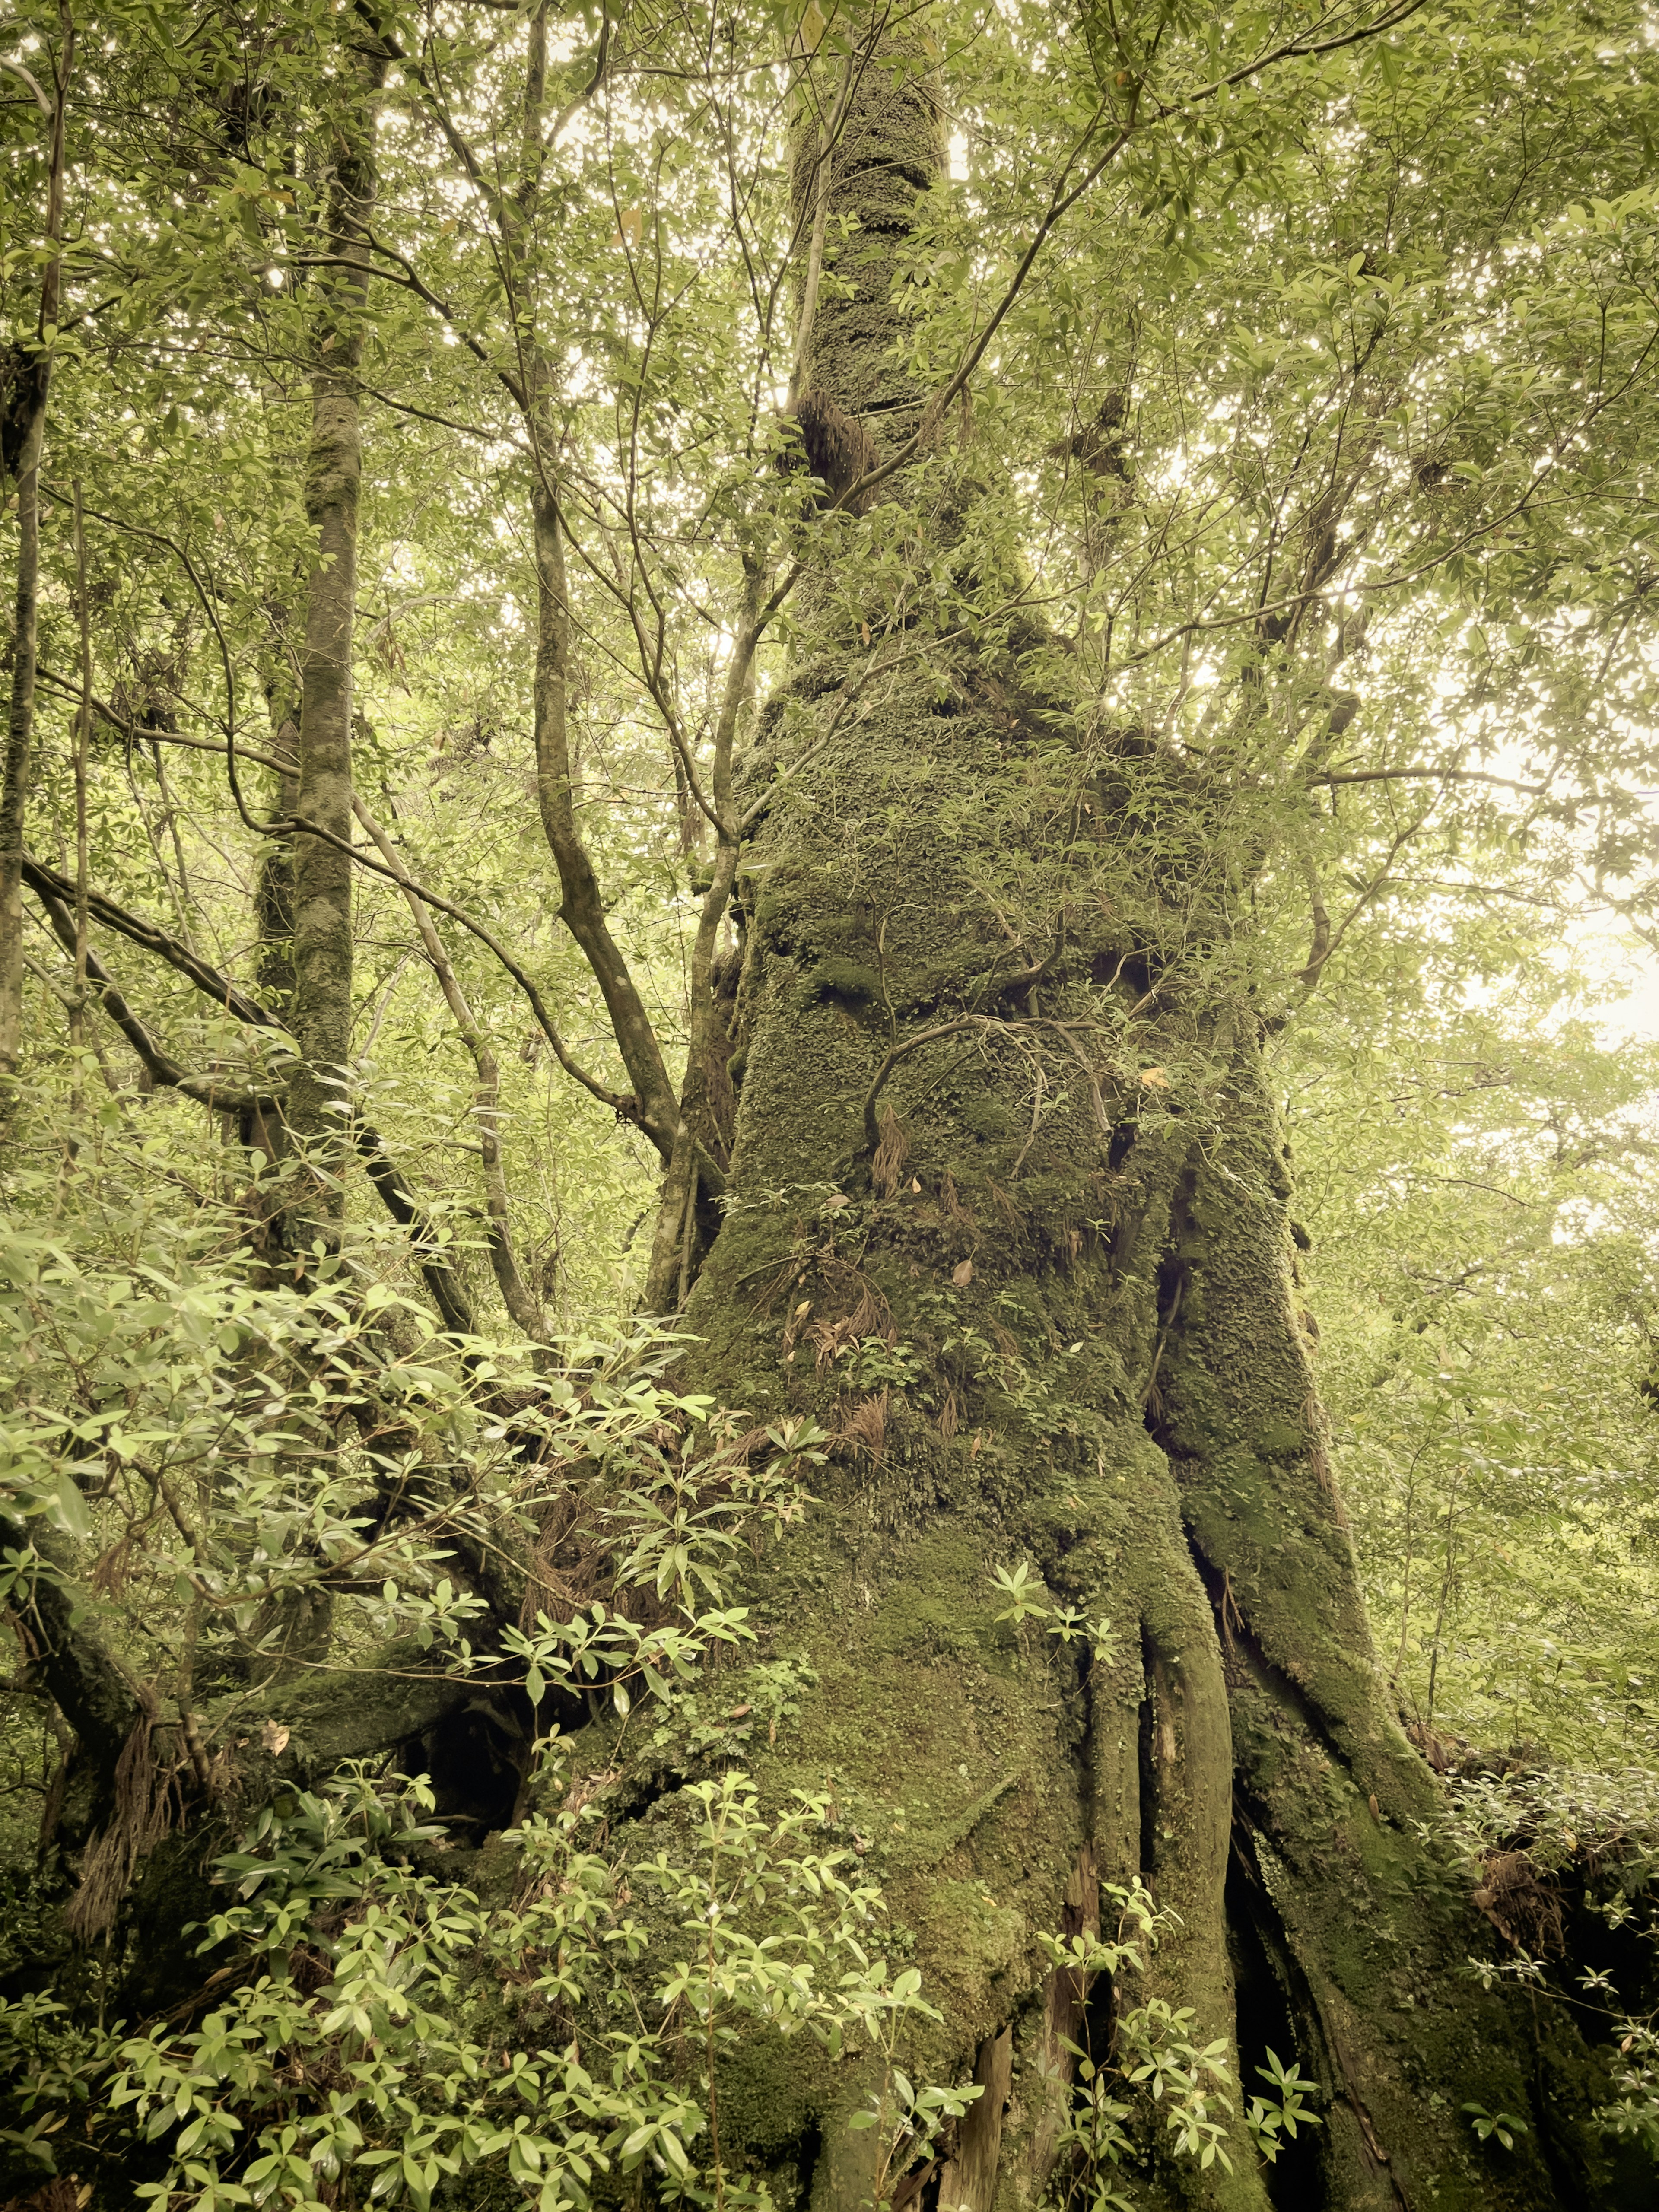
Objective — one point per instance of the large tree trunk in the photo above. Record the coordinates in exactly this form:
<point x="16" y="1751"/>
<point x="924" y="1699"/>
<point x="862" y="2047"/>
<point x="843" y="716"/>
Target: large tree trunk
<point x="1049" y="1318"/>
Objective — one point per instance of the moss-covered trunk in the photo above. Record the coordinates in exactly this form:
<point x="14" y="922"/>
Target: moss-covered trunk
<point x="1049" y="1315"/>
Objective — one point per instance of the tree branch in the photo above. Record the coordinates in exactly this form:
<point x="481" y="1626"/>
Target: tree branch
<point x="49" y="888"/>
<point x="47" y="885"/>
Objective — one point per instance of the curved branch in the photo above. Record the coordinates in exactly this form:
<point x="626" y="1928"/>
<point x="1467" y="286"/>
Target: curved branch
<point x="626" y="1106"/>
<point x="158" y="1064"/>
<point x="160" y="538"/>
<point x="48" y="885"/>
<point x="16" y="69"/>
<point x="50" y="889"/>
<point x="899" y="1052"/>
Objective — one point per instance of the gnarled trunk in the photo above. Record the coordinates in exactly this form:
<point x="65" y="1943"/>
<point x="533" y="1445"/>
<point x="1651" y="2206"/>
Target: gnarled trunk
<point x="1041" y="1293"/>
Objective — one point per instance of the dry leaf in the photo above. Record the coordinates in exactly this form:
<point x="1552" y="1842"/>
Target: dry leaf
<point x="963" y="1274"/>
<point x="915" y="1183"/>
<point x="804" y="1307"/>
<point x="830" y="1205"/>
<point x="1156" y="1076"/>
<point x="273" y="1737"/>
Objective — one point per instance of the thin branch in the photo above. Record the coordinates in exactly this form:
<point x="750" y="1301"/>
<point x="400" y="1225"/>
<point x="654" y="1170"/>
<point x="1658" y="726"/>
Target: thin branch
<point x="521" y="1304"/>
<point x="47" y="885"/>
<point x="1064" y="199"/>
<point x="157" y="1063"/>
<point x="626" y="1106"/>
<point x="229" y="723"/>
<point x="1467" y="775"/>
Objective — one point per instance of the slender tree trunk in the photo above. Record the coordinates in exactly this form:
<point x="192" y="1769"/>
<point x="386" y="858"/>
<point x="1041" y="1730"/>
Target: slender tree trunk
<point x="25" y="385"/>
<point x="1047" y="1317"/>
<point x="322" y="936"/>
<point x="522" y="1309"/>
<point x="581" y="906"/>
<point x="297" y="1631"/>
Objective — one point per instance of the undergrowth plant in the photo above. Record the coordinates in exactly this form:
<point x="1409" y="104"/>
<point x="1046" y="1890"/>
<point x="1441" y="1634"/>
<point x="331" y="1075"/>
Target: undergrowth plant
<point x="379" y="2018"/>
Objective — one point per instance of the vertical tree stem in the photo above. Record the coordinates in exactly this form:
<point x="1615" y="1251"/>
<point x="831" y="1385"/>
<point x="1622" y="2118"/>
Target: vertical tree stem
<point x="321" y="1013"/>
<point x="31" y="378"/>
<point x="1445" y="1593"/>
<point x="82" y="737"/>
<point x="521" y="1306"/>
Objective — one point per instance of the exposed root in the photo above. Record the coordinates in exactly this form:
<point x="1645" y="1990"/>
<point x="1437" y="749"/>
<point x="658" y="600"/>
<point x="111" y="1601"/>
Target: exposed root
<point x="148" y="1806"/>
<point x="1525" y="1913"/>
<point x="887" y="1166"/>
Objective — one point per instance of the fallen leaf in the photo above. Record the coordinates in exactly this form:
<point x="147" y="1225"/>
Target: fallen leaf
<point x="1155" y="1078"/>
<point x="273" y="1736"/>
<point x="804" y="1307"/>
<point x="832" y="1205"/>
<point x="1376" y="1810"/>
<point x="739" y="1712"/>
<point x="914" y="1185"/>
<point x="963" y="1274"/>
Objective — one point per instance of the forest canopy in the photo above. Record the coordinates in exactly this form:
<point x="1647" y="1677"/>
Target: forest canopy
<point x="828" y="1302"/>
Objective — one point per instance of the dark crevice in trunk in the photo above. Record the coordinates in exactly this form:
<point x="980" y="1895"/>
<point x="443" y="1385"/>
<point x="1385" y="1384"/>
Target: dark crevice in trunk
<point x="478" y="1757"/>
<point x="1242" y="1654"/>
<point x="809" y="2149"/>
<point x="1274" y="2011"/>
<point x="1148" y="1793"/>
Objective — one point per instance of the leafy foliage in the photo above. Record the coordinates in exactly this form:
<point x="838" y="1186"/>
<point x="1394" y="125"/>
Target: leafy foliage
<point x="1299" y="448"/>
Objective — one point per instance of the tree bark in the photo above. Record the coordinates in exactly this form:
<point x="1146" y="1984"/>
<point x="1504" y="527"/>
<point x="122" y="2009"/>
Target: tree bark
<point x="321" y="1011"/>
<point x="25" y="385"/>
